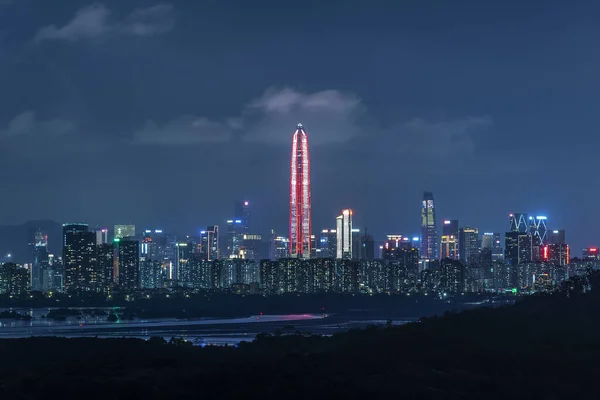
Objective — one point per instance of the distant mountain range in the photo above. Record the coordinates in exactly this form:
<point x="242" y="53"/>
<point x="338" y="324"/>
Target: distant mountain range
<point x="15" y="239"/>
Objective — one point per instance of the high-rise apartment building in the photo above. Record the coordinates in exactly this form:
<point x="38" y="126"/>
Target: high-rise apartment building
<point x="79" y="257"/>
<point x="429" y="243"/>
<point x="344" y="235"/>
<point x="106" y="263"/>
<point x="300" y="196"/>
<point x="129" y="264"/>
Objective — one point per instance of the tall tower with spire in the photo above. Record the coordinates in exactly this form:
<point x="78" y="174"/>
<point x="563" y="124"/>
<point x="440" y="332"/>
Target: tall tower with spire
<point x="300" y="212"/>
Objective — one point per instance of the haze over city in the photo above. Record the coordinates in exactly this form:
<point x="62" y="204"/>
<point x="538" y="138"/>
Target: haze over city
<point x="162" y="114"/>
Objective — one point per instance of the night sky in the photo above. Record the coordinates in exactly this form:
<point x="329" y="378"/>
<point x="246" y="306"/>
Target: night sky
<point x="163" y="114"/>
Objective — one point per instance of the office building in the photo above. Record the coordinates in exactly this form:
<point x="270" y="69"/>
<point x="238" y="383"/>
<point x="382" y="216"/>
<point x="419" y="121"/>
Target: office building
<point x="449" y="247"/>
<point x="591" y="254"/>
<point x="366" y="247"/>
<point x="242" y="213"/>
<point x="556" y="236"/>
<point x="209" y="242"/>
<point x="344" y="235"/>
<point x="101" y="236"/>
<point x="40" y="263"/>
<point x="328" y="243"/>
<point x="497" y="253"/>
<point x="468" y="240"/>
<point x="518" y="222"/>
<point x="487" y="241"/>
<point x="538" y="229"/>
<point x="450" y="227"/>
<point x="556" y="253"/>
<point x="429" y="244"/>
<point x="300" y="196"/>
<point x="124" y="231"/>
<point x="235" y="235"/>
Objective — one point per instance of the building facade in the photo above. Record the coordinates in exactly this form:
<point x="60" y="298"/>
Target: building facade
<point x="300" y="196"/>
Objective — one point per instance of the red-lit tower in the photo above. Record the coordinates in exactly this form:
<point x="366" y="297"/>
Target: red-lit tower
<point x="300" y="218"/>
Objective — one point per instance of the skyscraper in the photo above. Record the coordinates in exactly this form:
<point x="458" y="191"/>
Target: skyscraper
<point x="366" y="247"/>
<point x="129" y="264"/>
<point x="344" y="235"/>
<point x="40" y="260"/>
<point x="123" y="231"/>
<point x="468" y="241"/>
<point x="429" y="246"/>
<point x="328" y="243"/>
<point x="102" y="237"/>
<point x="242" y="213"/>
<point x="79" y="257"/>
<point x="487" y="240"/>
<point x="209" y="243"/>
<point x="449" y="247"/>
<point x="450" y="228"/>
<point x="518" y="222"/>
<point x="300" y="212"/>
<point x="556" y="236"/>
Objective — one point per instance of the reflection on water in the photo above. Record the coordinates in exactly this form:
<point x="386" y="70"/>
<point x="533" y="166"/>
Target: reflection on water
<point x="224" y="331"/>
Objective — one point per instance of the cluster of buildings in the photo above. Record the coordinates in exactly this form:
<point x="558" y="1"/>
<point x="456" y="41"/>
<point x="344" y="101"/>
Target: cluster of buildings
<point x="527" y="257"/>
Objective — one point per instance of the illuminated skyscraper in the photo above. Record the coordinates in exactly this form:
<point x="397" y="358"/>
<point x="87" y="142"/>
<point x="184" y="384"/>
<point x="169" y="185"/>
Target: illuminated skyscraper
<point x="40" y="260"/>
<point x="344" y="235"/>
<point x="328" y="243"/>
<point x="101" y="237"/>
<point x="449" y="247"/>
<point x="209" y="243"/>
<point x="487" y="240"/>
<point x="79" y="257"/>
<point x="300" y="212"/>
<point x="129" y="264"/>
<point x="242" y="213"/>
<point x="468" y="244"/>
<point x="123" y="231"/>
<point x="429" y="246"/>
<point x="518" y="222"/>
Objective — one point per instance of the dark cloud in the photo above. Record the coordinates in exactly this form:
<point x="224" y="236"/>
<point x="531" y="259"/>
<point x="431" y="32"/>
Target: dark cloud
<point x="184" y="130"/>
<point x="94" y="22"/>
<point x="332" y="116"/>
<point x="27" y="123"/>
